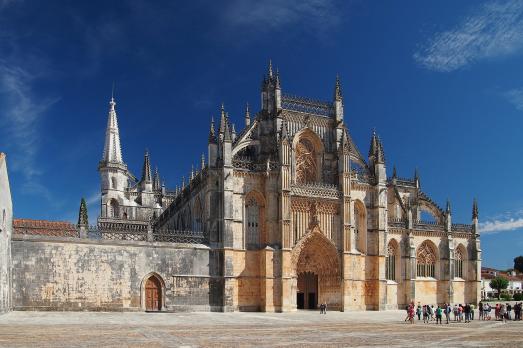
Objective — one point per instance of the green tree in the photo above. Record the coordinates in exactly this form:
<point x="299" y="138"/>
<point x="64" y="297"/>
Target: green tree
<point x="518" y="264"/>
<point x="499" y="283"/>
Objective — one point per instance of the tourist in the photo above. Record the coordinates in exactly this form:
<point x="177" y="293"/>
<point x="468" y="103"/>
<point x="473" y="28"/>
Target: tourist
<point x="509" y="309"/>
<point x="411" y="313"/>
<point x="407" y="309"/>
<point x="466" y="309"/>
<point x="480" y="307"/>
<point x="460" y="312"/>
<point x="321" y="308"/>
<point x="438" y="315"/>
<point x="456" y="312"/>
<point x="324" y="307"/>
<point x="432" y="312"/>
<point x="488" y="309"/>
<point x="502" y="313"/>
<point x="425" y="314"/>
<point x="418" y="311"/>
<point x="517" y="311"/>
<point x="448" y="310"/>
<point x="472" y="308"/>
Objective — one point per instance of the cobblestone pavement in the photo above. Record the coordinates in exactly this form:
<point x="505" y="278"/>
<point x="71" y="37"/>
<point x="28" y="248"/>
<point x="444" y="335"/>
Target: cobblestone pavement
<point x="299" y="329"/>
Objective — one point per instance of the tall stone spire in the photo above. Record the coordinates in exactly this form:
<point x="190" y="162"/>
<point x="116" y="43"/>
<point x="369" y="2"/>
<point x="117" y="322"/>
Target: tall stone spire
<point x="475" y="211"/>
<point x="146" y="170"/>
<point x="112" y="148"/>
<point x="269" y="73"/>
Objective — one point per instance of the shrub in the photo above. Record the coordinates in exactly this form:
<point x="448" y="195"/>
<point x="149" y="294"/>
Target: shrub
<point x="518" y="297"/>
<point x="506" y="297"/>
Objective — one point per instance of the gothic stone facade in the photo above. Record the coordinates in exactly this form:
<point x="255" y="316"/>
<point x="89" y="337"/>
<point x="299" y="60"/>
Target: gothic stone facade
<point x="284" y="214"/>
<point x="297" y="216"/>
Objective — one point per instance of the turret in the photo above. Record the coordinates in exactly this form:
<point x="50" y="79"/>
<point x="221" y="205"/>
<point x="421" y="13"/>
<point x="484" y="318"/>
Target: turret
<point x="271" y="91"/>
<point x="113" y="171"/>
<point x="338" y="101"/>
<point x="416" y="178"/>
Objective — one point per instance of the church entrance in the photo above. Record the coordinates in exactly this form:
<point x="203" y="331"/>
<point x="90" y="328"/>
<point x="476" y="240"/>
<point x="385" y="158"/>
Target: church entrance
<point x="317" y="270"/>
<point x="307" y="295"/>
<point x="153" y="294"/>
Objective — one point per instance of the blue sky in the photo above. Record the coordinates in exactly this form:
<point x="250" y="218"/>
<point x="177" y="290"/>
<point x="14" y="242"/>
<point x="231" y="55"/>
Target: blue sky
<point x="441" y="82"/>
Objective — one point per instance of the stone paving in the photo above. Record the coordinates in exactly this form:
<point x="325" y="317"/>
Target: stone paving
<point x="299" y="329"/>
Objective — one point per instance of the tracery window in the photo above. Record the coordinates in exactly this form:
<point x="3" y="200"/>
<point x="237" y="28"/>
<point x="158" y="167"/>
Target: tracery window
<point x="252" y="210"/>
<point x="426" y="261"/>
<point x="306" y="167"/>
<point x="390" y="262"/>
<point x="458" y="263"/>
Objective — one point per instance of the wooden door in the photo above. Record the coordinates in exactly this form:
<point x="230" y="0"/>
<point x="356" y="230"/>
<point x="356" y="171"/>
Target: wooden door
<point x="153" y="295"/>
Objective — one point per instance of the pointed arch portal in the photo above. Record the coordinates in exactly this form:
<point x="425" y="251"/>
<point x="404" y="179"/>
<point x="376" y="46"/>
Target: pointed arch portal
<point x="317" y="270"/>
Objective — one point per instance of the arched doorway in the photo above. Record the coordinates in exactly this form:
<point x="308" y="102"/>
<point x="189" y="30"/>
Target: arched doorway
<point x="317" y="271"/>
<point x="153" y="294"/>
<point x="307" y="295"/>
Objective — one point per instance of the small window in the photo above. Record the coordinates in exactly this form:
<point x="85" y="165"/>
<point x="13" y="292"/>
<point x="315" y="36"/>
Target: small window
<point x="114" y="183"/>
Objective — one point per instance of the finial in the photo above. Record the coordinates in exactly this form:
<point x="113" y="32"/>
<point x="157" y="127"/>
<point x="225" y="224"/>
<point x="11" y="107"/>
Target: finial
<point x="278" y="79"/>
<point x="192" y="171"/>
<point x="212" y="132"/>
<point x="112" y="93"/>
<point x="203" y="161"/>
<point x="394" y="175"/>
<point x="247" y="115"/>
<point x="448" y="210"/>
<point x="337" y="89"/>
<point x="475" y="212"/>
<point x="183" y="182"/>
<point x="270" y="68"/>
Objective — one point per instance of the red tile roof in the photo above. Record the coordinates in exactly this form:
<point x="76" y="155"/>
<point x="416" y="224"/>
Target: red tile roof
<point x="44" y="228"/>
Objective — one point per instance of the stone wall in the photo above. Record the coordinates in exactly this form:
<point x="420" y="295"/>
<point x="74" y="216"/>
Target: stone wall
<point x="6" y="223"/>
<point x="52" y="273"/>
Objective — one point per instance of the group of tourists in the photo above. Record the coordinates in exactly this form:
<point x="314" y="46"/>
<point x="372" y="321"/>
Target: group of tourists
<point x="323" y="308"/>
<point x="435" y="313"/>
<point x="502" y="312"/>
<point x="462" y="313"/>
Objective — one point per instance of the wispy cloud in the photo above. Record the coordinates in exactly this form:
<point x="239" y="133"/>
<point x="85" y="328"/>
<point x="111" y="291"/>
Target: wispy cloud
<point x="276" y="15"/>
<point x="495" y="30"/>
<point x="509" y="221"/>
<point x="515" y="97"/>
<point x="19" y="117"/>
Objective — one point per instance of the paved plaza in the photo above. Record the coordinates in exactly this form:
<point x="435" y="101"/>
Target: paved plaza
<point x="299" y="329"/>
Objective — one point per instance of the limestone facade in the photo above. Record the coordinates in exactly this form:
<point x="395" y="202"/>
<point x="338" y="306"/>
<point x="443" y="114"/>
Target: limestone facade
<point x="300" y="217"/>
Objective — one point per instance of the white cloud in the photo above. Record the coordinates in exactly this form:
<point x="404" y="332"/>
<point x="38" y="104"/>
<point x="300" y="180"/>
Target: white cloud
<point x="508" y="221"/>
<point x="19" y="118"/>
<point x="495" y="30"/>
<point x="273" y="15"/>
<point x="515" y="97"/>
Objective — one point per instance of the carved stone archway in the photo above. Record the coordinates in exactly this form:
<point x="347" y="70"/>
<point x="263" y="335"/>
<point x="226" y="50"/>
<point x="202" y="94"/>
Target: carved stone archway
<point x="316" y="254"/>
